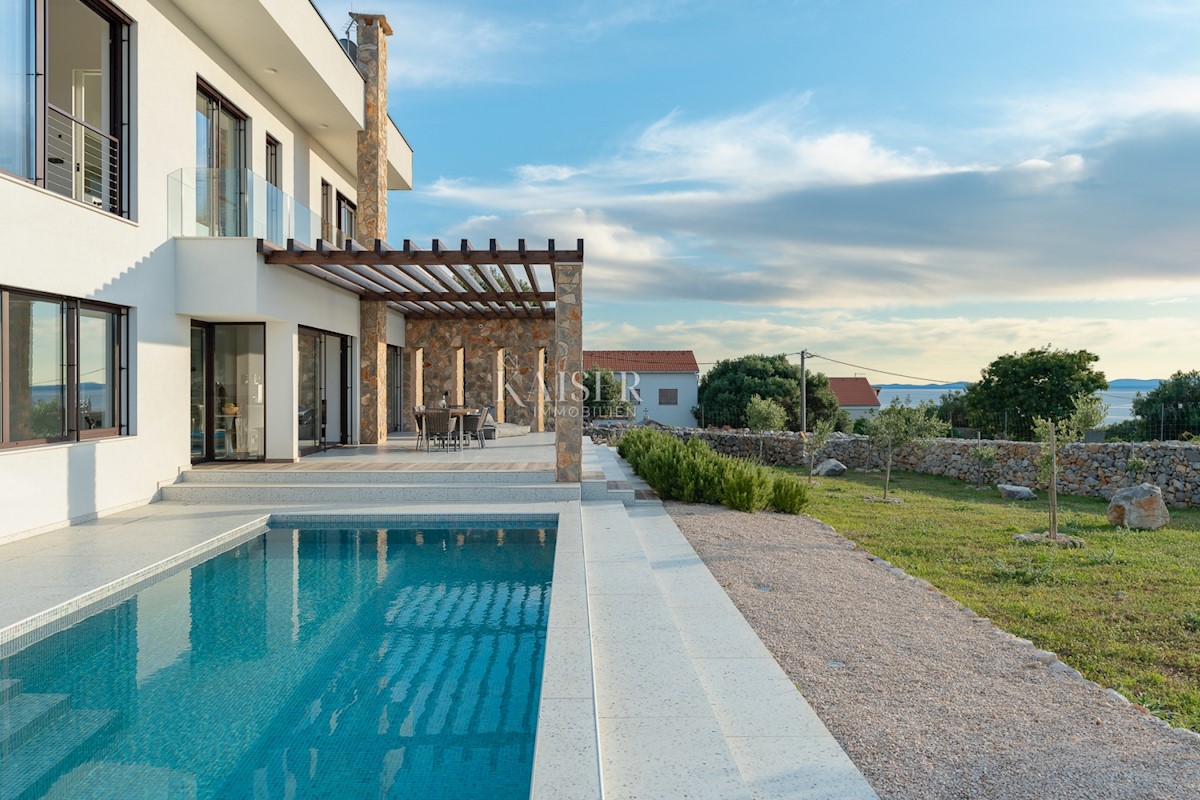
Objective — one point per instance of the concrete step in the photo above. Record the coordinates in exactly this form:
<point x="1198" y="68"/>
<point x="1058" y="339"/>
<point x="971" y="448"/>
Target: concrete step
<point x="210" y="476"/>
<point x="33" y="768"/>
<point x="23" y="715"/>
<point x="316" y="492"/>
<point x="8" y="688"/>
<point x="658" y="735"/>
<point x="761" y="713"/>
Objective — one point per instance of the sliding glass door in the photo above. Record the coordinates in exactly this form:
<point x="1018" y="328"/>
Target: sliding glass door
<point x="322" y="390"/>
<point x="310" y="391"/>
<point x="221" y="164"/>
<point x="228" y="392"/>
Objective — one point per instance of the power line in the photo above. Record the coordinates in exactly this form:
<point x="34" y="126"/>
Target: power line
<point x="880" y="371"/>
<point x="856" y="366"/>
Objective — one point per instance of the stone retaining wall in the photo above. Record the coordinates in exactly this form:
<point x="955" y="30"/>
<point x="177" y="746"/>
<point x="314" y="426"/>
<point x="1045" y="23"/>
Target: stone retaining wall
<point x="1086" y="470"/>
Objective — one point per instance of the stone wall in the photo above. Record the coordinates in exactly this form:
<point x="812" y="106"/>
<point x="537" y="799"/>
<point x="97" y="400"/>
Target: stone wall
<point x="524" y="343"/>
<point x="1086" y="470"/>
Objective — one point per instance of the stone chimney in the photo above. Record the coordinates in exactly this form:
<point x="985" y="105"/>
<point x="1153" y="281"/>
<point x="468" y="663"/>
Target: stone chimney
<point x="373" y="30"/>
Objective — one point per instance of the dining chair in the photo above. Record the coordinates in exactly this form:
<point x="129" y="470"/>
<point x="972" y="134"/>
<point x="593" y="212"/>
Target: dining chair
<point x="437" y="426"/>
<point x="419" y="416"/>
<point x="472" y="426"/>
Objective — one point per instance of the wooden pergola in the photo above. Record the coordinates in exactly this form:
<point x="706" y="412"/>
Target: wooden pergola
<point x="439" y="283"/>
<point x="464" y="293"/>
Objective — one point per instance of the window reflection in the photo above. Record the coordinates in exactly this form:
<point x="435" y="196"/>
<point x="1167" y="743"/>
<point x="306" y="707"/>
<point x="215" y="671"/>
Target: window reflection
<point x="36" y="369"/>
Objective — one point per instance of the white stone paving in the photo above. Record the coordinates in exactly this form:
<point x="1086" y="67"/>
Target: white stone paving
<point x="779" y="747"/>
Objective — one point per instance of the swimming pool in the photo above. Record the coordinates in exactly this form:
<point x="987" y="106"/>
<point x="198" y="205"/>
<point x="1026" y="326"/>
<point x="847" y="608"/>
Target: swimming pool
<point x="356" y="659"/>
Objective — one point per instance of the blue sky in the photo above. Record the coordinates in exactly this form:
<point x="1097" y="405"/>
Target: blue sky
<point x="917" y="187"/>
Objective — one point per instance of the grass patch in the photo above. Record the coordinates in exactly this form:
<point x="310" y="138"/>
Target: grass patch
<point x="1124" y="611"/>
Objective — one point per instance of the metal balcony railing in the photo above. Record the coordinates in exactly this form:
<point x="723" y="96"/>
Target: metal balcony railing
<point x="82" y="162"/>
<point x="236" y="202"/>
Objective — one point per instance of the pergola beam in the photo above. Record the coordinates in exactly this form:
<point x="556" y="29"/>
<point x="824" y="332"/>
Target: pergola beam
<point x="466" y="283"/>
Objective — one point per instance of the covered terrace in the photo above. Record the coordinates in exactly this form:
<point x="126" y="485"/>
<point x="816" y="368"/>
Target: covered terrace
<point x="484" y="327"/>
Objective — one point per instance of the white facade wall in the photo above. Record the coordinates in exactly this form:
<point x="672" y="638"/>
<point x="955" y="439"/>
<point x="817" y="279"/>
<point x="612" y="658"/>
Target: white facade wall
<point x="687" y="385"/>
<point x="859" y="412"/>
<point x="56" y="245"/>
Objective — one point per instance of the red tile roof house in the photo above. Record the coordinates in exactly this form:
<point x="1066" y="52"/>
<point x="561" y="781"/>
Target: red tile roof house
<point x="856" y="395"/>
<point x="665" y="381"/>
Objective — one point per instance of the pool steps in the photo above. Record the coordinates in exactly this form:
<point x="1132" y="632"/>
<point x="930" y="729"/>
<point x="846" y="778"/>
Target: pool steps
<point x="39" y="733"/>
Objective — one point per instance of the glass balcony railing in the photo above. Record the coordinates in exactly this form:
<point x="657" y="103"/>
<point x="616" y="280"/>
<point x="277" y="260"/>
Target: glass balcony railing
<point x="236" y="202"/>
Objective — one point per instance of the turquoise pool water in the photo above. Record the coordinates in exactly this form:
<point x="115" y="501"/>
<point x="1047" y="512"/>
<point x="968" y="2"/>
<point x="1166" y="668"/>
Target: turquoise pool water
<point x="391" y="661"/>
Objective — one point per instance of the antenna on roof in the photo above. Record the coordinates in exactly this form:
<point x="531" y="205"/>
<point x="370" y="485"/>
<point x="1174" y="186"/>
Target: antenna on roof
<point x="348" y="44"/>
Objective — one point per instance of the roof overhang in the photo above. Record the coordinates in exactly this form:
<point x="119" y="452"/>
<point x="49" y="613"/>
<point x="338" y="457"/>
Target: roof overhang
<point x="313" y="79"/>
<point x="438" y="283"/>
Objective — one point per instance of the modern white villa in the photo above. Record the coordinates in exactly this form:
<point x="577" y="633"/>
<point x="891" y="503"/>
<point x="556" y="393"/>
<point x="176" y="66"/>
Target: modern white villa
<point x="196" y="201"/>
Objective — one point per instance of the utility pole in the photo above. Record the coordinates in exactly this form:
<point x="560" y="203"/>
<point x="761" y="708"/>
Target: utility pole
<point x="803" y="393"/>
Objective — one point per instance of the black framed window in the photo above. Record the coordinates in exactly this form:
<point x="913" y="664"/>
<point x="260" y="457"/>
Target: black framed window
<point x="64" y="98"/>
<point x="63" y="373"/>
<point x="347" y="214"/>
<point x="327" y="226"/>
<point x="221" y="164"/>
<point x="272" y="163"/>
<point x="668" y="397"/>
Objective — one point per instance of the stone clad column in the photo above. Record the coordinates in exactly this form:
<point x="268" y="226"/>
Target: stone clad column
<point x="372" y="357"/>
<point x="371" y="215"/>
<point x="568" y="368"/>
<point x="371" y="220"/>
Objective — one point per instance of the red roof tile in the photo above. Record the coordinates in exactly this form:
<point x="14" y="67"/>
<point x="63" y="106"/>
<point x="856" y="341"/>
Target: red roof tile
<point x="854" y="392"/>
<point x="641" y="360"/>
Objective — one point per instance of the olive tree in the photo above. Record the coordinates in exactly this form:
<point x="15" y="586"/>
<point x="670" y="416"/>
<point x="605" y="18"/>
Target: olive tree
<point x="900" y="424"/>
<point x="816" y="443"/>
<point x="764" y="414"/>
<point x="1052" y="435"/>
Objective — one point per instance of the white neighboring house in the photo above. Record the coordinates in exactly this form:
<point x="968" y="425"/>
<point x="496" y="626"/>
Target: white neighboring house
<point x="145" y="147"/>
<point x="856" y="395"/>
<point x="663" y="384"/>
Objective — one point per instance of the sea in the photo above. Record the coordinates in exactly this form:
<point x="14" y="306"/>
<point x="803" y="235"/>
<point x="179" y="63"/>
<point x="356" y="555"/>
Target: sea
<point x="1120" y="402"/>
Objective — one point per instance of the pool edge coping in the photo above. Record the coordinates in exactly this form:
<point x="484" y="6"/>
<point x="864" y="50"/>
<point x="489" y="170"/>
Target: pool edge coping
<point x="34" y="628"/>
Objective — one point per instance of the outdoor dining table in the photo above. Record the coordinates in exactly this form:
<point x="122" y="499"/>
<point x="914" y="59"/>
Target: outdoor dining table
<point x="456" y="415"/>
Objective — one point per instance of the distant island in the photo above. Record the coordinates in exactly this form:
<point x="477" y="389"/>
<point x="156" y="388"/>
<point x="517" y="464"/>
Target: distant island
<point x="1118" y="385"/>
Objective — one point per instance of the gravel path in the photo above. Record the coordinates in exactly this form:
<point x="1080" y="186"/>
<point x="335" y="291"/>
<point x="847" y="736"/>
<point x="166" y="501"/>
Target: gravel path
<point x="928" y="700"/>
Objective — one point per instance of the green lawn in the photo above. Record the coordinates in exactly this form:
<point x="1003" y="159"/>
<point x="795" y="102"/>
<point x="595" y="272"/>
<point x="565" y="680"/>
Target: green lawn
<point x="1124" y="611"/>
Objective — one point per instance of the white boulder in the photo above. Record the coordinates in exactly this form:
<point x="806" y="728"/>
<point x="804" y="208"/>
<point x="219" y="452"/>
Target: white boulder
<point x="1139" y="507"/>
<point x="831" y="468"/>
<point x="1010" y="492"/>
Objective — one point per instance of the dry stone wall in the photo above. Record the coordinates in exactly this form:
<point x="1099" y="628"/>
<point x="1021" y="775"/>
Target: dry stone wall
<point x="1088" y="470"/>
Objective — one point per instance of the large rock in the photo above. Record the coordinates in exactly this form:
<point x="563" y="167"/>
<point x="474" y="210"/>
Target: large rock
<point x="831" y="468"/>
<point x="1010" y="492"/>
<point x="1139" y="507"/>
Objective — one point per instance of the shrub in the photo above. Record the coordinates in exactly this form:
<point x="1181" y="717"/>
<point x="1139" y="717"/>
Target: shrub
<point x="748" y="486"/>
<point x="788" y="495"/>
<point x="693" y="473"/>
<point x="702" y="474"/>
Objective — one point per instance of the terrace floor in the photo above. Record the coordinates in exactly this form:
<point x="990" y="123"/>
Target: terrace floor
<point x="533" y="451"/>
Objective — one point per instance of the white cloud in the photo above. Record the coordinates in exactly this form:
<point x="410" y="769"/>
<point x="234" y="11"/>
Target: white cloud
<point x="763" y="208"/>
<point x="952" y="348"/>
<point x="436" y="45"/>
<point x="1073" y="115"/>
<point x="538" y="173"/>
